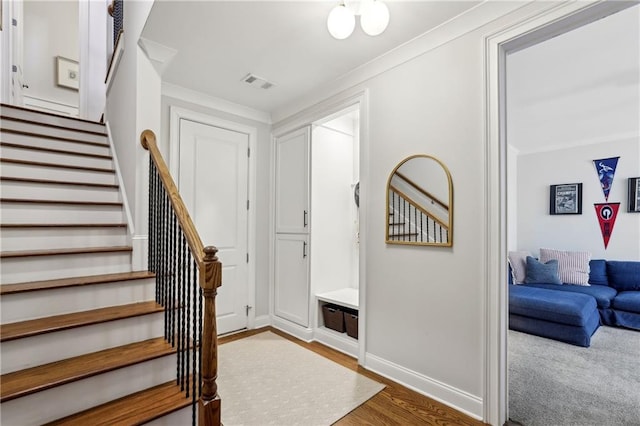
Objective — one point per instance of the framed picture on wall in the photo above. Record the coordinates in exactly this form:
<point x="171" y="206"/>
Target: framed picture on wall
<point x="67" y="72"/>
<point x="565" y="199"/>
<point x="634" y="195"/>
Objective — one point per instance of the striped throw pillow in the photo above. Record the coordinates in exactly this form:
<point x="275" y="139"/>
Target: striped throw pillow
<point x="573" y="266"/>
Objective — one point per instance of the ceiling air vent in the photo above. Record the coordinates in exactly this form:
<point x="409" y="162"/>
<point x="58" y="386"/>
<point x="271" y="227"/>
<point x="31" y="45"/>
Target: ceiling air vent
<point x="257" y="82"/>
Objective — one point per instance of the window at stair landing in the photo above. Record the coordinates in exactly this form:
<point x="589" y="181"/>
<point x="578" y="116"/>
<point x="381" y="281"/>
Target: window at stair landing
<point x="420" y="203"/>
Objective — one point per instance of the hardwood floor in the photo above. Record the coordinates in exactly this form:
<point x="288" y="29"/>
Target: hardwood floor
<point x="394" y="405"/>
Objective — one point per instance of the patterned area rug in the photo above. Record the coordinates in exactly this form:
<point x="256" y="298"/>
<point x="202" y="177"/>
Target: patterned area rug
<point x="268" y="380"/>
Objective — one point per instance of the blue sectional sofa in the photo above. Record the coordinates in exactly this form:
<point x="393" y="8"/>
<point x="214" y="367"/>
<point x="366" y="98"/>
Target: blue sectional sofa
<point x="572" y="313"/>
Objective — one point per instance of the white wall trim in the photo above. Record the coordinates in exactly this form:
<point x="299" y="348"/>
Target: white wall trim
<point x="303" y="333"/>
<point x="83" y="57"/>
<point x="176" y="114"/>
<point x="260" y="321"/>
<point x="454" y="28"/>
<point x="123" y="190"/>
<point x="118" y="51"/>
<point x="448" y="395"/>
<point x="140" y="244"/>
<point x="49" y="105"/>
<point x="199" y="98"/>
<point x="526" y="31"/>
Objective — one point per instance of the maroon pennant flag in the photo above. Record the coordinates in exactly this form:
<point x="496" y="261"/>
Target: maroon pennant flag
<point x="607" y="213"/>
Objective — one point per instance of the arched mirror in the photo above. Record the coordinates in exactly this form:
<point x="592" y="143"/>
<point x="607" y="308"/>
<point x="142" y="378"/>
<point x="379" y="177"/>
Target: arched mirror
<point x="420" y="203"/>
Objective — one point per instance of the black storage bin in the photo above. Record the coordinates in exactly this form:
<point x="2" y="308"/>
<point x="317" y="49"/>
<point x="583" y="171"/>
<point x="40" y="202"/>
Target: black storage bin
<point x="351" y="322"/>
<point x="333" y="317"/>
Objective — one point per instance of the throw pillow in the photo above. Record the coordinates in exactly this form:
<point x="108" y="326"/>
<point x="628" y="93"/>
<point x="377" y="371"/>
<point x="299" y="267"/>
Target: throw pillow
<point x="518" y="263"/>
<point x="542" y="273"/>
<point x="573" y="266"/>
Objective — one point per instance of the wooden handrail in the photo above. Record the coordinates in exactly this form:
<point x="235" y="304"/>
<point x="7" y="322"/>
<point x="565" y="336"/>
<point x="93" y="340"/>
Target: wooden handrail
<point x="422" y="190"/>
<point x="418" y="207"/>
<point x="148" y="141"/>
<point x="210" y="278"/>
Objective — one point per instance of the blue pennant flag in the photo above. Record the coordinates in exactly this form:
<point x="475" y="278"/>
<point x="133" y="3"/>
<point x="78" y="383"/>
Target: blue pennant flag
<point x="606" y="168"/>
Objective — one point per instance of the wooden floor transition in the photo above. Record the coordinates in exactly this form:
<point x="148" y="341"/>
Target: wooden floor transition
<point x="394" y="405"/>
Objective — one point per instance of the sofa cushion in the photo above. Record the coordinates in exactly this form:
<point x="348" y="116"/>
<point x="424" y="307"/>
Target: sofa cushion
<point x="604" y="295"/>
<point x="627" y="301"/>
<point x="598" y="272"/>
<point x="623" y="275"/>
<point x="518" y="263"/>
<point x="573" y="266"/>
<point x="538" y="272"/>
<point x="551" y="305"/>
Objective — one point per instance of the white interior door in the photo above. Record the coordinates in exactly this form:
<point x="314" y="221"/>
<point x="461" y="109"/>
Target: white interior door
<point x="213" y="181"/>
<point x="17" y="37"/>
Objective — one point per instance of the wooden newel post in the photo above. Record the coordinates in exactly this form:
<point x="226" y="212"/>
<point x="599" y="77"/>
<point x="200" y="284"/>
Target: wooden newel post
<point x="210" y="280"/>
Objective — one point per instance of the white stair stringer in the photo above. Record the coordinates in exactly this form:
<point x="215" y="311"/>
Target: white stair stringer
<point x="32" y="351"/>
<point x="70" y="398"/>
<point x="44" y="303"/>
<point x="9" y="111"/>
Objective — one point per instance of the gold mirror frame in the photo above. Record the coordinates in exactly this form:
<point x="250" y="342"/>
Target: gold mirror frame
<point x="428" y="208"/>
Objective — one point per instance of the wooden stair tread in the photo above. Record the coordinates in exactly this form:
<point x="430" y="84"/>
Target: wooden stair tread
<point x="64" y="251"/>
<point x="46" y="376"/>
<point x="5" y="105"/>
<point x="57" y="182"/>
<point x="412" y="234"/>
<point x="51" y="324"/>
<point x="64" y="202"/>
<point x="62" y="225"/>
<point x="58" y="126"/>
<point x="73" y="282"/>
<point x="135" y="409"/>
<point x="54" y="151"/>
<point x="59" y="138"/>
<point x="56" y="165"/>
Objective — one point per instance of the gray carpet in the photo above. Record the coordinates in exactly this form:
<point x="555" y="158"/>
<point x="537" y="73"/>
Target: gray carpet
<point x="557" y="384"/>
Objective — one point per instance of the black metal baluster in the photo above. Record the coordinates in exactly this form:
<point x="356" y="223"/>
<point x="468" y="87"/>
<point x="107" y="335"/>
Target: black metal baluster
<point x="200" y="341"/>
<point x="415" y="222"/>
<point x="421" y="225"/>
<point x="174" y="263"/>
<point x="165" y="267"/>
<point x="196" y="343"/>
<point x="189" y="322"/>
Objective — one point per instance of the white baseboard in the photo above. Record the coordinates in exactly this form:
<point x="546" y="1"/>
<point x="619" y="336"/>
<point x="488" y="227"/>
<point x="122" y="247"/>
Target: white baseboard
<point x="448" y="395"/>
<point x="295" y="330"/>
<point x="261" y="321"/>
<point x="341" y="343"/>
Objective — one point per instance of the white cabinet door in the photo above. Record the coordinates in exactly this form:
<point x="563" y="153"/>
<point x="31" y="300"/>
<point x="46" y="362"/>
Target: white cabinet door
<point x="291" y="295"/>
<point x="292" y="182"/>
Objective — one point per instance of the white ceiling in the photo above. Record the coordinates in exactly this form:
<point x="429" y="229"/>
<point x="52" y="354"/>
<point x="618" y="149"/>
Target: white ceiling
<point x="284" y="42"/>
<point x="580" y="87"/>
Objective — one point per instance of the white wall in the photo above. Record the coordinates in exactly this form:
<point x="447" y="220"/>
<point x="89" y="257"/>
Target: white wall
<point x="333" y="211"/>
<point x="536" y="228"/>
<point x="50" y="30"/>
<point x="262" y="190"/>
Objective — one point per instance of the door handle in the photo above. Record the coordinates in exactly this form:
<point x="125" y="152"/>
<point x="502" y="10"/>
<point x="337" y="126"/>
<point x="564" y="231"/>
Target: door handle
<point x="304" y="218"/>
<point x="304" y="249"/>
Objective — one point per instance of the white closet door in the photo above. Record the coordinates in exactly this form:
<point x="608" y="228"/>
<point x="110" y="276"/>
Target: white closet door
<point x="291" y="295"/>
<point x="292" y="182"/>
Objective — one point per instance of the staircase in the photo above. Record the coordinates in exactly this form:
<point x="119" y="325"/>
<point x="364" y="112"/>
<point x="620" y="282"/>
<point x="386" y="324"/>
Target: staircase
<point x="81" y="335"/>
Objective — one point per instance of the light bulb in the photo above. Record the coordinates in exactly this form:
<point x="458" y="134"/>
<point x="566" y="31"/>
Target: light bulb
<point x="341" y="22"/>
<point x="375" y="18"/>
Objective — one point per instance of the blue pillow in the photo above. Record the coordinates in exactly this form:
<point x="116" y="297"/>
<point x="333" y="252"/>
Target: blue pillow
<point x="598" y="272"/>
<point x="624" y="275"/>
<point x="542" y="273"/>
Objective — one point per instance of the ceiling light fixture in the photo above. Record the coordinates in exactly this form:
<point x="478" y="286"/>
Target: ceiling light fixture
<point x="374" y="18"/>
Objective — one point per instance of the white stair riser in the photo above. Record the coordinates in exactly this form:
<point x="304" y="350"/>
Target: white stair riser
<point x="18" y="239"/>
<point x="54" y="143"/>
<point x="37" y="350"/>
<point x="57" y="173"/>
<point x="43" y="191"/>
<point x="36" y="268"/>
<point x="180" y="417"/>
<point x="44" y="303"/>
<point x="59" y="213"/>
<point x="53" y="131"/>
<point x="51" y="119"/>
<point x="55" y="158"/>
<point x="48" y="405"/>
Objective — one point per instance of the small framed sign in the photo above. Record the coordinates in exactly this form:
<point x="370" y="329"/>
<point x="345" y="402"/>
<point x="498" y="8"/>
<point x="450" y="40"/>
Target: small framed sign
<point x="67" y="73"/>
<point x="634" y="195"/>
<point x="565" y="199"/>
